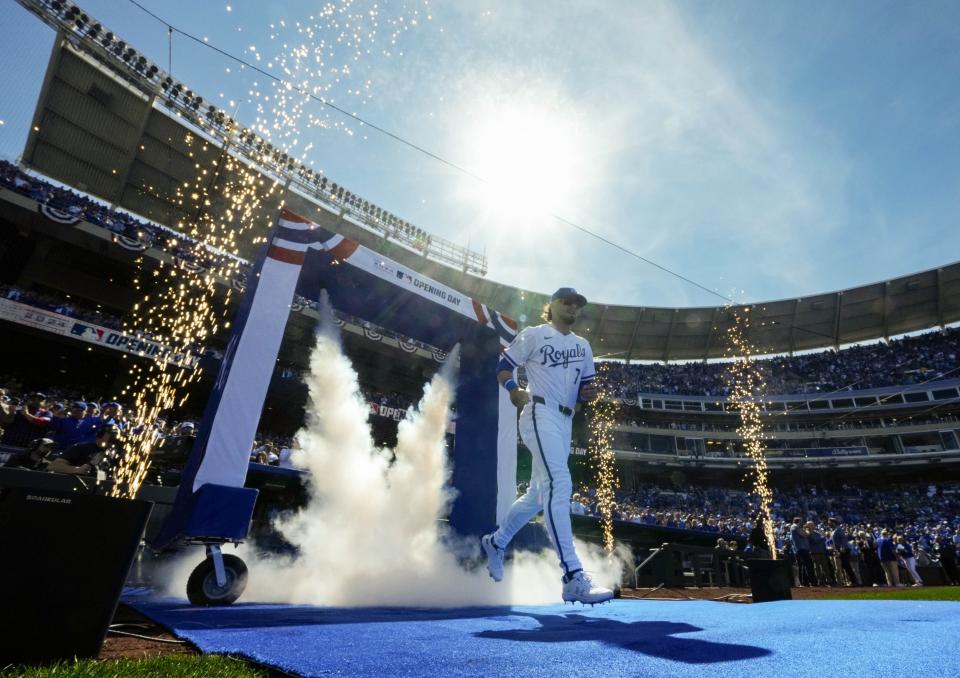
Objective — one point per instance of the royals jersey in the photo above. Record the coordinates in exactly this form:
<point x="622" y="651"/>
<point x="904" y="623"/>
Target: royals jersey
<point x="556" y="363"/>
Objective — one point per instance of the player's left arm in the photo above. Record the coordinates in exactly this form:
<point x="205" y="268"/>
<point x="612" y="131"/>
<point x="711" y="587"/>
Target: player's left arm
<point x="588" y="387"/>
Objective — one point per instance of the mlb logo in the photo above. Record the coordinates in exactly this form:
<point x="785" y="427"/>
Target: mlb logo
<point x="400" y="275"/>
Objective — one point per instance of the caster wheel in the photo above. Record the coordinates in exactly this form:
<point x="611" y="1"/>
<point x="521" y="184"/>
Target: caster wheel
<point x="202" y="587"/>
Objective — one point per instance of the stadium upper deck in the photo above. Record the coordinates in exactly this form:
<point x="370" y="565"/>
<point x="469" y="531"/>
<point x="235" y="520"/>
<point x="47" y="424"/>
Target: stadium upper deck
<point x="112" y="124"/>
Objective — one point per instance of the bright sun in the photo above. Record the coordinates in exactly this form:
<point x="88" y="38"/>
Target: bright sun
<point x="530" y="158"/>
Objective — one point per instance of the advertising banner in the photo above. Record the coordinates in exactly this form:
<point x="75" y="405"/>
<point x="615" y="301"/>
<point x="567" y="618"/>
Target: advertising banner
<point x="91" y="333"/>
<point x="821" y="452"/>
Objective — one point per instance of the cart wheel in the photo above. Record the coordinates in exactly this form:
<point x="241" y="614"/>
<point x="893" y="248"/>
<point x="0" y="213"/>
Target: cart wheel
<point x="202" y="587"/>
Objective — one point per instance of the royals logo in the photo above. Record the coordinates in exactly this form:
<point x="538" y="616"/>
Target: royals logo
<point x="554" y="357"/>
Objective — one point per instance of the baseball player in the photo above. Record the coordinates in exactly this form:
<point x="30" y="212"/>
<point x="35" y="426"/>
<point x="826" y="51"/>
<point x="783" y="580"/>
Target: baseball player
<point x="560" y="372"/>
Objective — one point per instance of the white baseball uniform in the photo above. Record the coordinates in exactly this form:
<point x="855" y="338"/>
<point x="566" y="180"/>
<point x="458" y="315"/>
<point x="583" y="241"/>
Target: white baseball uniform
<point x="556" y="365"/>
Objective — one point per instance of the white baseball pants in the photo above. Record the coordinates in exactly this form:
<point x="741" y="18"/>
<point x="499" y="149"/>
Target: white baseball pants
<point x="546" y="432"/>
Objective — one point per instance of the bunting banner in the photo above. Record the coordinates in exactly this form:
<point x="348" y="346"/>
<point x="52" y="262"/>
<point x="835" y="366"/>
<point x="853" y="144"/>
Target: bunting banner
<point x="189" y="262"/>
<point x="141" y="244"/>
<point x="64" y="217"/>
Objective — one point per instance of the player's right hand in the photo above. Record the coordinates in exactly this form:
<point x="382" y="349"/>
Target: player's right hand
<point x="519" y="397"/>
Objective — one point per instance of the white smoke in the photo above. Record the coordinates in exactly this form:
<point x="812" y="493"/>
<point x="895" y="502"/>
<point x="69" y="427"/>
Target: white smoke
<point x="372" y="532"/>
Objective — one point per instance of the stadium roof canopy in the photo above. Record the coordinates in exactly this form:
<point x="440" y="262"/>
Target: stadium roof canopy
<point x="110" y="124"/>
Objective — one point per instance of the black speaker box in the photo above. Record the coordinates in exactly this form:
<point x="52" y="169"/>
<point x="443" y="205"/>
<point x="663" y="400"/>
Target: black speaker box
<point x="770" y="580"/>
<point x="65" y="558"/>
<point x="663" y="569"/>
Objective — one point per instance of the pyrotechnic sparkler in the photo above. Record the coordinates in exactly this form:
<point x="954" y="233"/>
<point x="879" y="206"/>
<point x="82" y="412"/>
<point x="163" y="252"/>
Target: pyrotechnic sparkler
<point x="748" y="389"/>
<point x="602" y="417"/>
<point x="182" y="312"/>
<point x="226" y="198"/>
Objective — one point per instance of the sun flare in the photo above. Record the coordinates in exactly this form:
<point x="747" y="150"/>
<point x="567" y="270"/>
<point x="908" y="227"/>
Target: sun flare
<point x="529" y="157"/>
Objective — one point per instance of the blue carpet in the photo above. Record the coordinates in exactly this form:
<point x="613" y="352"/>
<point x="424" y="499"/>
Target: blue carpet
<point x="623" y="638"/>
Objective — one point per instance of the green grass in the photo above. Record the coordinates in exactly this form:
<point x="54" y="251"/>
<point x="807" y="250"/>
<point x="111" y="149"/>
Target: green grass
<point x="171" y="666"/>
<point x="918" y="593"/>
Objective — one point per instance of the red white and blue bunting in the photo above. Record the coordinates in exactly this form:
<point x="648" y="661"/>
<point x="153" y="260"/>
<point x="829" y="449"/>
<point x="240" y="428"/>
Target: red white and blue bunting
<point x="60" y="216"/>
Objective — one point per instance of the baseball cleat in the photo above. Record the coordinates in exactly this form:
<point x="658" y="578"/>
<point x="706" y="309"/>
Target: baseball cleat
<point x="580" y="589"/>
<point x="494" y="557"/>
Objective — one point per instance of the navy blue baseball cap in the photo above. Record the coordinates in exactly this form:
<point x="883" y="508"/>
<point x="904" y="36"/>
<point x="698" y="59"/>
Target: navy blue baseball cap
<point x="566" y="293"/>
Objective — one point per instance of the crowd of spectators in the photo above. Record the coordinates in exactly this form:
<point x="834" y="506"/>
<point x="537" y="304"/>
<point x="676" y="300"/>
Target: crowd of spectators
<point x="921" y="522"/>
<point x="60" y="305"/>
<point x="910" y="360"/>
<point x="787" y="426"/>
<point x="75" y="437"/>
<point x="147" y="233"/>
<point x="392" y="399"/>
<point x="64" y="306"/>
<point x="38" y="430"/>
<point x="79" y="206"/>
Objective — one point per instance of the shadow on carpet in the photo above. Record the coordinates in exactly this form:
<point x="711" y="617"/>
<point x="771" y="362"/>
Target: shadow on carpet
<point x="634" y="638"/>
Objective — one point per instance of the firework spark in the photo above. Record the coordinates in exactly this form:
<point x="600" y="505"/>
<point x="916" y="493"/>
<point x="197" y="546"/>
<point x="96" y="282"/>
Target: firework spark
<point x="602" y="418"/>
<point x="231" y="206"/>
<point x="748" y="388"/>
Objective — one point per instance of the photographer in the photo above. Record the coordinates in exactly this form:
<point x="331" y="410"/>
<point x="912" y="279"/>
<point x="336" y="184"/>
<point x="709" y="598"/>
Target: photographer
<point x="86" y="458"/>
<point x="34" y="458"/>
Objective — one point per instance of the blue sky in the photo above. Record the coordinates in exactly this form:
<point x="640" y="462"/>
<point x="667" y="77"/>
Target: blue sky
<point x="765" y="150"/>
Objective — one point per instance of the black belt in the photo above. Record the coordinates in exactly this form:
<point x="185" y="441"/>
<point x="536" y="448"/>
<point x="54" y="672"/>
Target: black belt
<point x="563" y="408"/>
